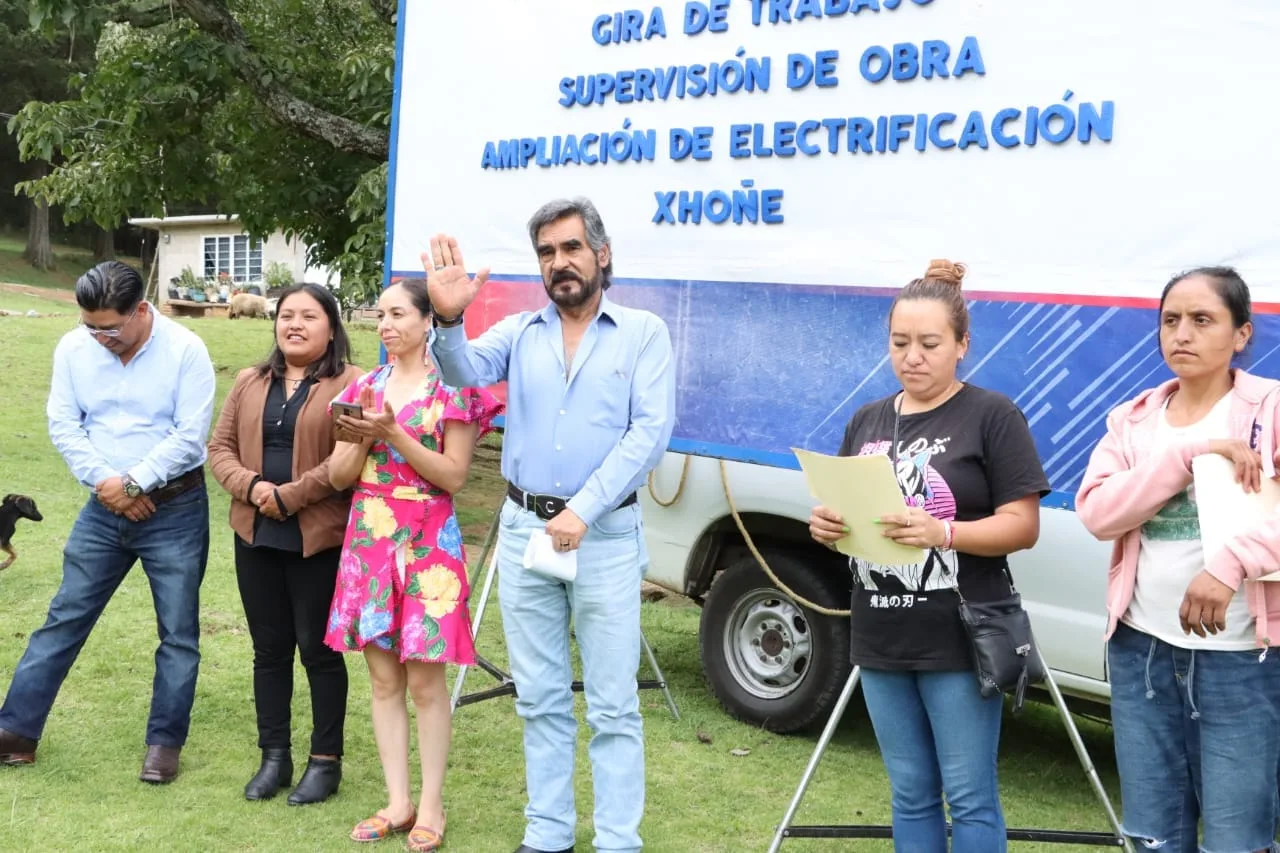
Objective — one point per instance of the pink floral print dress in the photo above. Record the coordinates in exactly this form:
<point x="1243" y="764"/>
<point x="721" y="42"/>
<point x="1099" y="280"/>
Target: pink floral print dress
<point x="402" y="579"/>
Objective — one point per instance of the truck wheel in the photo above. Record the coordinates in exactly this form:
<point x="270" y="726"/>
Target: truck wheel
<point x="768" y="660"/>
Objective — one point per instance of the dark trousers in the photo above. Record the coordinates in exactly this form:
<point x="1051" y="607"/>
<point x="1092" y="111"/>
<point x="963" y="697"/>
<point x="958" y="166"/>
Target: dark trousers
<point x="286" y="599"/>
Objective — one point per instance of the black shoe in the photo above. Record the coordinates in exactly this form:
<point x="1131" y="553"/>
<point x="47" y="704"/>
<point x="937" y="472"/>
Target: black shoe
<point x="275" y="773"/>
<point x="525" y="848"/>
<point x="319" y="782"/>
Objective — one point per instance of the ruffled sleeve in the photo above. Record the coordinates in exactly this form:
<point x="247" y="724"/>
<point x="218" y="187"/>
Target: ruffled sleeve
<point x="470" y="406"/>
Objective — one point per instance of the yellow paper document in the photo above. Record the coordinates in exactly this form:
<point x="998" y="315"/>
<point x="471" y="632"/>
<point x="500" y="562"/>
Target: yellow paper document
<point x="1225" y="509"/>
<point x="861" y="489"/>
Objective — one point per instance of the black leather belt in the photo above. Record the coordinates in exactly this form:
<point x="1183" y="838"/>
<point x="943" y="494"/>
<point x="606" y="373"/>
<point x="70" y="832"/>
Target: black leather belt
<point x="546" y="507"/>
<point x="183" y="484"/>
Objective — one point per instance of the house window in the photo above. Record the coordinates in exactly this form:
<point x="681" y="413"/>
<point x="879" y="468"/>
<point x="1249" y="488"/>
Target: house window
<point x="237" y="255"/>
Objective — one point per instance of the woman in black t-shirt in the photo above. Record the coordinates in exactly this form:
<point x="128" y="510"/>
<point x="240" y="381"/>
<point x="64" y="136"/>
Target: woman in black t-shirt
<point x="972" y="480"/>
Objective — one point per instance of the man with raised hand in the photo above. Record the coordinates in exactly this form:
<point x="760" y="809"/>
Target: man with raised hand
<point x="590" y="410"/>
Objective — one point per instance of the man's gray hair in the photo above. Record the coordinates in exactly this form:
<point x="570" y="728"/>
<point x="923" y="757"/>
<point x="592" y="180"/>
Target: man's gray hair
<point x="597" y="237"/>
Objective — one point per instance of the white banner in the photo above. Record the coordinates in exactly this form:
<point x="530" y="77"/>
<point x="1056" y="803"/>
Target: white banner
<point x="1162" y="111"/>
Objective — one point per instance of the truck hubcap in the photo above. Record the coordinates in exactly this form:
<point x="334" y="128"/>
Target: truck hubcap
<point x="768" y="645"/>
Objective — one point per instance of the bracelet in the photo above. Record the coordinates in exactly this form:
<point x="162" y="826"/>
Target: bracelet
<point x="948" y="535"/>
<point x="446" y="323"/>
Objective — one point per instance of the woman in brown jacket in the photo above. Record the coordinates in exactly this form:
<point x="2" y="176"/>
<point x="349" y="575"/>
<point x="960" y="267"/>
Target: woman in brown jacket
<point x="270" y="451"/>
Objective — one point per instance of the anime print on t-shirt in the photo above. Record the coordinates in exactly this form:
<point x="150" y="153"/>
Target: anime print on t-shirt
<point x="925" y="488"/>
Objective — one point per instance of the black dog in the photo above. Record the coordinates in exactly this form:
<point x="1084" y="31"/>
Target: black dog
<point x="13" y="508"/>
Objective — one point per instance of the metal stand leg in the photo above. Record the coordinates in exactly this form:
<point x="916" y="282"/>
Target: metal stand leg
<point x="490" y="572"/>
<point x="827" y="733"/>
<point x="491" y="568"/>
<point x="506" y="685"/>
<point x="662" y="679"/>
<point x="1115" y="838"/>
<point x="1082" y="753"/>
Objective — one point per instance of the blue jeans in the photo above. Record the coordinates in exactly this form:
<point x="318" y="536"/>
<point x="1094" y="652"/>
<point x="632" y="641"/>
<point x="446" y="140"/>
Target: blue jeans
<point x="938" y="735"/>
<point x="1197" y="737"/>
<point x="173" y="546"/>
<point x="605" y="603"/>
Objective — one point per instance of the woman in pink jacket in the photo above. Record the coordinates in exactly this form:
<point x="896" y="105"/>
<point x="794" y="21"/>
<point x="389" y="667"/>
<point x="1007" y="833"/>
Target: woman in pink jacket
<point x="1195" y="695"/>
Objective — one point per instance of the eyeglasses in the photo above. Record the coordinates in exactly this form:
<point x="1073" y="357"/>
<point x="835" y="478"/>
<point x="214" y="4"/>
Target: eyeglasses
<point x="112" y="331"/>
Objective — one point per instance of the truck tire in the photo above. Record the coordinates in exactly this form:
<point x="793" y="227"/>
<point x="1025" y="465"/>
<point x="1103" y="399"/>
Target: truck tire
<point x="768" y="660"/>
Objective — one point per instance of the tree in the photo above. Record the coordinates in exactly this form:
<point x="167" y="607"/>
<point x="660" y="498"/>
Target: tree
<point x="39" y="249"/>
<point x="36" y="68"/>
<point x="104" y="244"/>
<point x="277" y="111"/>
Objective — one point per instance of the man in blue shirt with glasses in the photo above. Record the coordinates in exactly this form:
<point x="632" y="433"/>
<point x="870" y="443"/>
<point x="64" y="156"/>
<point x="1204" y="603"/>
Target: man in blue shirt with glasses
<point x="129" y="410"/>
<point x="590" y="410"/>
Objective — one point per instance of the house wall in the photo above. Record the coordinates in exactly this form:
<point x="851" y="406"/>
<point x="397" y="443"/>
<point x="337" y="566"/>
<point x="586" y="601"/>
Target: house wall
<point x="186" y="249"/>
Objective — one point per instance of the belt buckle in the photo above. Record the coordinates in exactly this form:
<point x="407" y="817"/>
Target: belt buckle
<point x="548" y="507"/>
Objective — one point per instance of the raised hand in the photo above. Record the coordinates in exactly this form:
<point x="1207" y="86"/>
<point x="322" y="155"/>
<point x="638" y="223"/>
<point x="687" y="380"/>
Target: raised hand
<point x="450" y="288"/>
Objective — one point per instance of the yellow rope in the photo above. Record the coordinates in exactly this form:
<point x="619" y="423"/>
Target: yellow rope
<point x="755" y="552"/>
<point x="742" y="528"/>
<point x="684" y="475"/>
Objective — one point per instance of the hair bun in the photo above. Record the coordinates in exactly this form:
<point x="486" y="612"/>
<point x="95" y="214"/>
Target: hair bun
<point x="941" y="269"/>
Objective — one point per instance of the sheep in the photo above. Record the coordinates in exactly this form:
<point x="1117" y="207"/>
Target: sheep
<point x="247" y="305"/>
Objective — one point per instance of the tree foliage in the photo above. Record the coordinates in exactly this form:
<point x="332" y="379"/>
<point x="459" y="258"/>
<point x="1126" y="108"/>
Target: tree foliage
<point x="35" y="68"/>
<point x="276" y="110"/>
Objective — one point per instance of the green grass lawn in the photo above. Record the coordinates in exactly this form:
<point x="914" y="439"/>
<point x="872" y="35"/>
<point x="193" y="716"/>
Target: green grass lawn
<point x="703" y="793"/>
<point x="70" y="262"/>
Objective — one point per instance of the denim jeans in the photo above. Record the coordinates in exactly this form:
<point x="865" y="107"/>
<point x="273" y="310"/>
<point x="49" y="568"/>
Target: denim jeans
<point x="938" y="736"/>
<point x="1197" y="737"/>
<point x="605" y="604"/>
<point x="173" y="546"/>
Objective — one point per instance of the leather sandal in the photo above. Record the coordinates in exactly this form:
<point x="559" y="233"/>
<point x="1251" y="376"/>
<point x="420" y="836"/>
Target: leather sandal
<point x="377" y="828"/>
<point x="424" y="839"/>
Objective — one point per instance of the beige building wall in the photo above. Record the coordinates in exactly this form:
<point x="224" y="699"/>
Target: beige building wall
<point x="185" y="248"/>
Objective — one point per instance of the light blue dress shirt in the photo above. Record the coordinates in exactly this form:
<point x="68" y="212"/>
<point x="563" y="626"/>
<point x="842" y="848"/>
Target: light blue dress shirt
<point x="149" y="417"/>
<point x="591" y="435"/>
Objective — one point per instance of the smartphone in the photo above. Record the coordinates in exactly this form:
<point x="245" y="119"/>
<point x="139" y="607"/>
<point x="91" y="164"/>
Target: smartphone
<point x="350" y="409"/>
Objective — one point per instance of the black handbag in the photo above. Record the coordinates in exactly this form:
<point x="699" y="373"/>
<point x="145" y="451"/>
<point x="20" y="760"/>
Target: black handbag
<point x="1005" y="657"/>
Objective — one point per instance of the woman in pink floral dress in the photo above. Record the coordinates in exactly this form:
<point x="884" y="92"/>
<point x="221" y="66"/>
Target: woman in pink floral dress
<point x="401" y="593"/>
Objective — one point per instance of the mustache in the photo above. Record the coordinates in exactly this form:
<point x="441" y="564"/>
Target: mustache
<point x="566" y="275"/>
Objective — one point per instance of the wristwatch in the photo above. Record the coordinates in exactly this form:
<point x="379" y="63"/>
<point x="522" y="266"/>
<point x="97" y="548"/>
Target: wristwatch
<point x="446" y="323"/>
<point x="131" y="487"/>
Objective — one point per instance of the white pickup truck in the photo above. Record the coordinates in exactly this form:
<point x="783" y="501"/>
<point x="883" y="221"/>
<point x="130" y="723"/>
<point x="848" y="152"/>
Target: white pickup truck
<point x="777" y="664"/>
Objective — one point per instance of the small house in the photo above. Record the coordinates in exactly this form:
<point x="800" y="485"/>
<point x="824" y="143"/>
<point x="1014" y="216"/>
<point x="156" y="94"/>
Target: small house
<point x="201" y="260"/>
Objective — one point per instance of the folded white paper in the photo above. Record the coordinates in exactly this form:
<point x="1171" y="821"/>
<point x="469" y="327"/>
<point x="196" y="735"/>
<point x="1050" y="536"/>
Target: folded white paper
<point x="1225" y="508"/>
<point x="542" y="557"/>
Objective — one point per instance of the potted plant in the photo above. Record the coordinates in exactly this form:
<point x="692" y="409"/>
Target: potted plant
<point x="188" y="283"/>
<point x="276" y="277"/>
